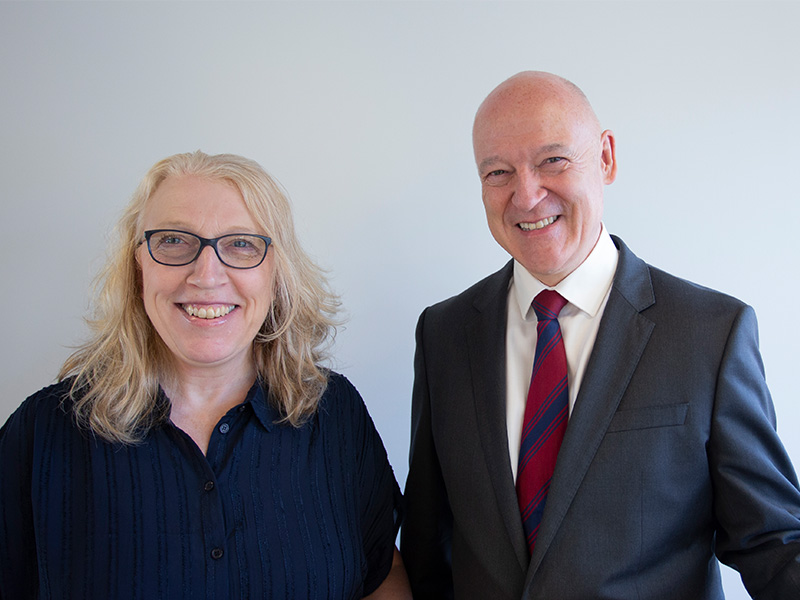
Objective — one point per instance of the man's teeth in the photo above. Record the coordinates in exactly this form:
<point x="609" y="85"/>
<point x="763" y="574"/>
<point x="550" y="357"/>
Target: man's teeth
<point x="210" y="312"/>
<point x="538" y="224"/>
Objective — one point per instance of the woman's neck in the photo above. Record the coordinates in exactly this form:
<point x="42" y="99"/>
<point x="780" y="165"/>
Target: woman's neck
<point x="201" y="397"/>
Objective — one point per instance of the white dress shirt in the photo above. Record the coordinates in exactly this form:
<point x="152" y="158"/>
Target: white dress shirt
<point x="586" y="290"/>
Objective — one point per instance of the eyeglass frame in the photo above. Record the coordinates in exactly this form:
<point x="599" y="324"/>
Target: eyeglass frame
<point x="203" y="243"/>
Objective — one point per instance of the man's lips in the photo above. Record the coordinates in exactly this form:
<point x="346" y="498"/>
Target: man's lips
<point x="538" y="224"/>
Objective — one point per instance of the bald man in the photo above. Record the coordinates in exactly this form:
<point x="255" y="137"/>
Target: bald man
<point x="668" y="458"/>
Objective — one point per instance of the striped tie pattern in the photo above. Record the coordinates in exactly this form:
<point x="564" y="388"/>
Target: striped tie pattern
<point x="546" y="414"/>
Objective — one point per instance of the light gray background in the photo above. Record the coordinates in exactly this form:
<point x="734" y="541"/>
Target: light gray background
<point x="363" y="111"/>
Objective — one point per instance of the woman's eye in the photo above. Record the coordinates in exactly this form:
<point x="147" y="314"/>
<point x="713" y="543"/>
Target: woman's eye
<point x="170" y="240"/>
<point x="241" y="244"/>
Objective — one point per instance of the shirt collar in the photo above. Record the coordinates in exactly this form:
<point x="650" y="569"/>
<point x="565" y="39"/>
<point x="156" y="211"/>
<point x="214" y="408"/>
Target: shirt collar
<point x="585" y="288"/>
<point x="257" y="398"/>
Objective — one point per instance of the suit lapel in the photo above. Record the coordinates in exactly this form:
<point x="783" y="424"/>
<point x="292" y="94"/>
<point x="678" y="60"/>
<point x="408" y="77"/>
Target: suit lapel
<point x="486" y="349"/>
<point x="620" y="342"/>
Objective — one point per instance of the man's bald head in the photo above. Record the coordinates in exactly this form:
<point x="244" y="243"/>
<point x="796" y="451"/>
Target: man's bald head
<point x="543" y="161"/>
<point x="533" y="90"/>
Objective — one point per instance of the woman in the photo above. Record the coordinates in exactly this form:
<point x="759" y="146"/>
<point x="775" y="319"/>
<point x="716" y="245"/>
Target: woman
<point x="194" y="448"/>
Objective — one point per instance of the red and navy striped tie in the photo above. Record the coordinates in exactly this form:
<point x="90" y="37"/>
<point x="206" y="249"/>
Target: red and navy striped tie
<point x="546" y="414"/>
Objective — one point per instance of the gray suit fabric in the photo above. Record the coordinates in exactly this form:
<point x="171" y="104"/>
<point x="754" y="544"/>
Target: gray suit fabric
<point x="670" y="460"/>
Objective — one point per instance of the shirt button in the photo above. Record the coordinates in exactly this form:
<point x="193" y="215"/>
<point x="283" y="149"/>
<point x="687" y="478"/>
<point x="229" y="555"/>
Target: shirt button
<point x="224" y="428"/>
<point x="208" y="486"/>
<point x="241" y="408"/>
<point x="217" y="553"/>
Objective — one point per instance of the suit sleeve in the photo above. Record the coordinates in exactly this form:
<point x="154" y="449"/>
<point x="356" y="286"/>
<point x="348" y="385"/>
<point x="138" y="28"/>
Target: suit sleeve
<point x="756" y="497"/>
<point x="427" y="530"/>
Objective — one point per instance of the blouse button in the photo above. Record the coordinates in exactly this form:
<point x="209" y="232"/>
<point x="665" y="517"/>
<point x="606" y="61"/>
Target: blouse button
<point x="217" y="553"/>
<point x="208" y="486"/>
<point x="224" y="428"/>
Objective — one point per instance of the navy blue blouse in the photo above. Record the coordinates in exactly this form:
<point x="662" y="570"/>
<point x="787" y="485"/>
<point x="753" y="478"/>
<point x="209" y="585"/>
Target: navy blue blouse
<point x="272" y="511"/>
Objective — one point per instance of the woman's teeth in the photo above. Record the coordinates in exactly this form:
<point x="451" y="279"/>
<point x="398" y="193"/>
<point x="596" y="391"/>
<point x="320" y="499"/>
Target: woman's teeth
<point x="538" y="224"/>
<point x="207" y="312"/>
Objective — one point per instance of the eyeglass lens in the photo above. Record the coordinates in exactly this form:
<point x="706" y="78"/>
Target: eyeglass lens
<point x="178" y="248"/>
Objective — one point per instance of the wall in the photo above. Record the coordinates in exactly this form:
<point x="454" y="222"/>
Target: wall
<point x="363" y="111"/>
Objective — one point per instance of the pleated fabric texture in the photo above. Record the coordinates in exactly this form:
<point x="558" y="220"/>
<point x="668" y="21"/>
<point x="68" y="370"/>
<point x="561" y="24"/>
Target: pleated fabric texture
<point x="272" y="511"/>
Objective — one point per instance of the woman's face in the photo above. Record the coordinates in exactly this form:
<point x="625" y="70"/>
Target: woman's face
<point x="183" y="302"/>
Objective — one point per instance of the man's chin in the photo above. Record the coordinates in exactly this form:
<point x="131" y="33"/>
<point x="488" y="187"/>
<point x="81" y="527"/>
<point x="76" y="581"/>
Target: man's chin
<point x="549" y="271"/>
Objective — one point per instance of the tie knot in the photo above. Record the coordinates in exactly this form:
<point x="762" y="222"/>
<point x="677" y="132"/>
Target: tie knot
<point x="547" y="304"/>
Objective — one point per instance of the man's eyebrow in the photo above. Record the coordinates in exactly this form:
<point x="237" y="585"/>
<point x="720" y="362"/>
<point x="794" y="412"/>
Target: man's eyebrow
<point x="488" y="161"/>
<point x="546" y="149"/>
<point x="554" y="147"/>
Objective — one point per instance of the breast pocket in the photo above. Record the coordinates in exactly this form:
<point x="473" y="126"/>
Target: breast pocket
<point x="649" y="418"/>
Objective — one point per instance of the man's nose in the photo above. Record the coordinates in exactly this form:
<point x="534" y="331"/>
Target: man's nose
<point x="529" y="190"/>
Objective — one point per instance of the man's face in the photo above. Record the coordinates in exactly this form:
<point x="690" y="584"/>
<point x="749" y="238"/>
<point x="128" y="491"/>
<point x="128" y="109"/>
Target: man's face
<point x="543" y="163"/>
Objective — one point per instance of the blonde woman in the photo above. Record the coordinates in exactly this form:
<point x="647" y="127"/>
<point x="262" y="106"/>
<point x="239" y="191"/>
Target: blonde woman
<point x="194" y="447"/>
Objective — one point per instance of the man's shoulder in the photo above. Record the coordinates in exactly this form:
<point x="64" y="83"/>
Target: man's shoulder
<point x="667" y="289"/>
<point x="634" y="273"/>
<point x="690" y="302"/>
<point x="662" y="280"/>
<point x="489" y="290"/>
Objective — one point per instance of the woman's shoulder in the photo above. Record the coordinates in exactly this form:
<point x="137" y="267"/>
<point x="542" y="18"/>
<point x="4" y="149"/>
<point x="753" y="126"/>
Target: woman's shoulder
<point x="341" y="401"/>
<point x="339" y="384"/>
<point x="341" y="391"/>
<point x="52" y="401"/>
<point x="58" y="394"/>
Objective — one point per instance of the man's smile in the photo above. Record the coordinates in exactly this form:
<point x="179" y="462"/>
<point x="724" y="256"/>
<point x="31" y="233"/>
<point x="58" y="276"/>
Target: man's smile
<point x="538" y="224"/>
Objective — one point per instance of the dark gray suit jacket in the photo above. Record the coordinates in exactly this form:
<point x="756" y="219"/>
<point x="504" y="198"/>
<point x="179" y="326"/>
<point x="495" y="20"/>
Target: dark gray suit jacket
<point x="670" y="456"/>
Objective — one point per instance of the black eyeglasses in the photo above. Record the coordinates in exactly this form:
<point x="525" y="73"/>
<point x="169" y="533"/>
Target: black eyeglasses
<point x="176" y="248"/>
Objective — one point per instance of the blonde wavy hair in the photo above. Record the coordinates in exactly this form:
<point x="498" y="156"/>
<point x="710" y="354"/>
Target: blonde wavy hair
<point x="117" y="372"/>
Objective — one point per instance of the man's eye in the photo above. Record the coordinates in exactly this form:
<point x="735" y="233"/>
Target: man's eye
<point x="553" y="165"/>
<point x="497" y="176"/>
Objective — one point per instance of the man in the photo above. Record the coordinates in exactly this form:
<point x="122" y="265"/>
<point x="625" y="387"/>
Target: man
<point x="669" y="456"/>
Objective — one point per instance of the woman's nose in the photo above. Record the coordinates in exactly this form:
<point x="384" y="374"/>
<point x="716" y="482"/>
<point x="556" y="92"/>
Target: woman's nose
<point x="207" y="269"/>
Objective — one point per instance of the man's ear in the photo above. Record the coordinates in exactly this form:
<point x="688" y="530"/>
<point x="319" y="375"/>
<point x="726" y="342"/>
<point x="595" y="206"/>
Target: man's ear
<point x="608" y="156"/>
